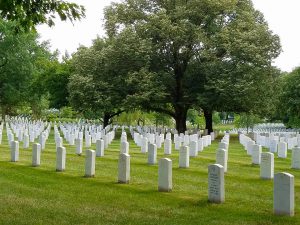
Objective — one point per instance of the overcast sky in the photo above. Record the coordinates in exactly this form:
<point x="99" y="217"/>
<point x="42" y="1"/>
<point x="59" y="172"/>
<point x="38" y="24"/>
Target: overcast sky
<point x="282" y="15"/>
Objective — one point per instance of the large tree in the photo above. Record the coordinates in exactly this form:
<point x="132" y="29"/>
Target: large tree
<point x="28" y="14"/>
<point x="19" y="57"/>
<point x="195" y="43"/>
<point x="101" y="82"/>
<point x="289" y="104"/>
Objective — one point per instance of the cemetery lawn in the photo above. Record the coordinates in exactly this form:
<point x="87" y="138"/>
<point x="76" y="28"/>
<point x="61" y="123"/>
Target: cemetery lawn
<point x="40" y="195"/>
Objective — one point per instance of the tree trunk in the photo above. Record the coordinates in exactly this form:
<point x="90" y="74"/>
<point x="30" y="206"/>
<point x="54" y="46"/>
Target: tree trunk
<point x="208" y="120"/>
<point x="180" y="118"/>
<point x="106" y="118"/>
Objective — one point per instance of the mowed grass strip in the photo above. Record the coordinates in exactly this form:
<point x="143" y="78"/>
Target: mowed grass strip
<point x="40" y="195"/>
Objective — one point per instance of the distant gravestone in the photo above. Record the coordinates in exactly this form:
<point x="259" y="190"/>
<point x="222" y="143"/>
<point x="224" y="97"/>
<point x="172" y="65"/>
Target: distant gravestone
<point x="14" y="152"/>
<point x="296" y="158"/>
<point x="216" y="187"/>
<point x="36" y="154"/>
<point x="200" y="144"/>
<point x="124" y="148"/>
<point x="267" y="165"/>
<point x="193" y="148"/>
<point x="59" y="142"/>
<point x="223" y="145"/>
<point x="60" y="159"/>
<point x="282" y="149"/>
<point x="100" y="148"/>
<point x="25" y="141"/>
<point x="273" y="146"/>
<point x="88" y="141"/>
<point x="90" y="156"/>
<point x="221" y="158"/>
<point x="78" y="143"/>
<point x="284" y="194"/>
<point x="152" y="154"/>
<point x="165" y="175"/>
<point x="124" y="168"/>
<point x="249" y="147"/>
<point x="184" y="158"/>
<point x="144" y="148"/>
<point x="168" y="147"/>
<point x="256" y="154"/>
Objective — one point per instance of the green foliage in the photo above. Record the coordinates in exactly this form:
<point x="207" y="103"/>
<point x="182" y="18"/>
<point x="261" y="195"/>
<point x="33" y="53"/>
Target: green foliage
<point x="289" y="100"/>
<point x="216" y="118"/>
<point x="246" y="120"/>
<point x="67" y="112"/>
<point x="210" y="54"/>
<point x="56" y="78"/>
<point x="20" y="57"/>
<point x="195" y="118"/>
<point x="28" y="14"/>
<point x="102" y="75"/>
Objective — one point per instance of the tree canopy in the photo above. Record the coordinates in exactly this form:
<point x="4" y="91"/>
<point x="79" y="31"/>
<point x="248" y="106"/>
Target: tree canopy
<point x="28" y="14"/>
<point x="20" y="55"/>
<point x="205" y="53"/>
<point x="101" y="82"/>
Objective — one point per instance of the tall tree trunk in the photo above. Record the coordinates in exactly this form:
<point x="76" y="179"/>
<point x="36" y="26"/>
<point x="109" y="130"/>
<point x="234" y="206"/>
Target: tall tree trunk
<point x="208" y="120"/>
<point x="180" y="118"/>
<point x="106" y="118"/>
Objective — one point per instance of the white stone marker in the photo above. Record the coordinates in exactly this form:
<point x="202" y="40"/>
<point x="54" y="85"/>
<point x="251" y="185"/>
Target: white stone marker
<point x="221" y="158"/>
<point x="184" y="157"/>
<point x="282" y="149"/>
<point x="284" y="194"/>
<point x="36" y="154"/>
<point x="124" y="168"/>
<point x="14" y="151"/>
<point x="88" y="141"/>
<point x="100" y="148"/>
<point x="60" y="159"/>
<point x="59" y="142"/>
<point x="124" y="147"/>
<point x="78" y="146"/>
<point x="249" y="147"/>
<point x="267" y="165"/>
<point x="216" y="187"/>
<point x="273" y="146"/>
<point x="200" y="145"/>
<point x="296" y="158"/>
<point x="26" y="141"/>
<point x="165" y="175"/>
<point x="152" y="154"/>
<point x="168" y="147"/>
<point x="256" y="154"/>
<point x="90" y="157"/>
<point x="223" y="145"/>
<point x="144" y="147"/>
<point x="193" y="149"/>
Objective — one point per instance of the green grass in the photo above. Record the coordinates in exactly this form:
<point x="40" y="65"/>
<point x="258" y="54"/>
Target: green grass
<point x="40" y="195"/>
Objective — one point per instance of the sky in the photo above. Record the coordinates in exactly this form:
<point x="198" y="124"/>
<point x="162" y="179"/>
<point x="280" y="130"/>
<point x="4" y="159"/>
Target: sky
<point x="282" y="16"/>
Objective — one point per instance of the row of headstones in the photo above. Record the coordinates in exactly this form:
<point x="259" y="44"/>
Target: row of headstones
<point x="22" y="131"/>
<point x="265" y="130"/>
<point x="91" y="135"/>
<point x="283" y="182"/>
<point x="26" y="139"/>
<point x="196" y="144"/>
<point x="101" y="144"/>
<point x="281" y="149"/>
<point x="271" y="140"/>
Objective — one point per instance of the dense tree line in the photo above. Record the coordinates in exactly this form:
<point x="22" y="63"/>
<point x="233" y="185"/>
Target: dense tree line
<point x="166" y="57"/>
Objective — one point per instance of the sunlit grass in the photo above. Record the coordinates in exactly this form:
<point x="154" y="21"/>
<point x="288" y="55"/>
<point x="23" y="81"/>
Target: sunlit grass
<point x="40" y="195"/>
